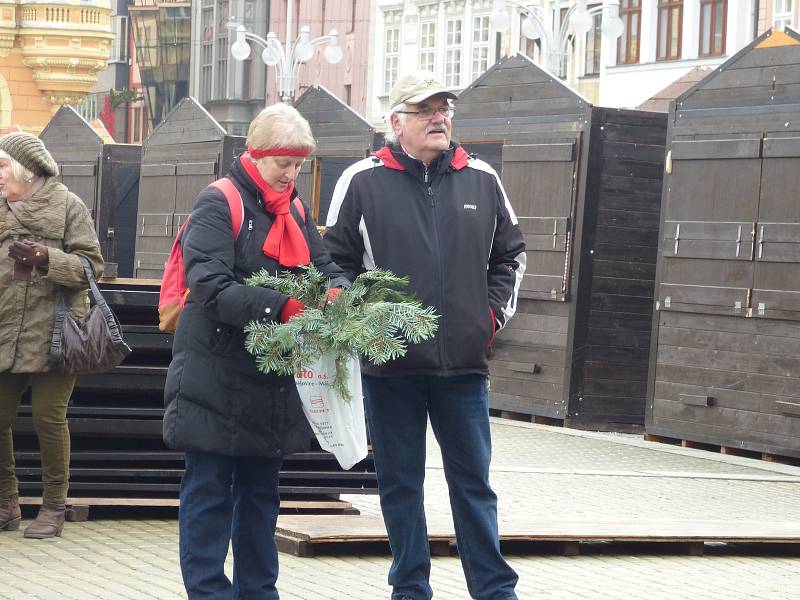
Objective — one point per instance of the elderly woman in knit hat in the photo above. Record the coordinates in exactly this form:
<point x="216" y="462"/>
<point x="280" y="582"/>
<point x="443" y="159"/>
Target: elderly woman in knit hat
<point x="233" y="422"/>
<point x="43" y="227"/>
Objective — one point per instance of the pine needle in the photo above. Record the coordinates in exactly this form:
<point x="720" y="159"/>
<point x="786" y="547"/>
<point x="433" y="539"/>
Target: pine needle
<point x="373" y="319"/>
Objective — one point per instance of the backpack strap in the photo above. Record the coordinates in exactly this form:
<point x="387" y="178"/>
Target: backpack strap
<point x="235" y="203"/>
<point x="298" y="204"/>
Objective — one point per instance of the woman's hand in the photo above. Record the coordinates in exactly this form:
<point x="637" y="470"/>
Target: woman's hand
<point x="330" y="298"/>
<point x="28" y="253"/>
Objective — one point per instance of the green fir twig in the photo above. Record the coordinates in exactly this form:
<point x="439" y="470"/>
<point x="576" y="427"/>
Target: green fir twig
<point x="373" y="319"/>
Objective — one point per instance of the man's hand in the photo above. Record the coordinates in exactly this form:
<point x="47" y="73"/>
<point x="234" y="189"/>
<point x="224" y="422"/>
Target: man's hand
<point x="29" y="254"/>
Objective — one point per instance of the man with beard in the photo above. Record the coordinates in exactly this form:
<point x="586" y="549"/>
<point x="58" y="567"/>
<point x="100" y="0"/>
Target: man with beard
<point x="423" y="208"/>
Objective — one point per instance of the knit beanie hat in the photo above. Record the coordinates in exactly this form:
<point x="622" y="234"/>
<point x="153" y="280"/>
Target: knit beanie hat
<point x="29" y="151"/>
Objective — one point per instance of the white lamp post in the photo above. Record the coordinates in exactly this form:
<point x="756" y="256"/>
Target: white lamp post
<point x="286" y="58"/>
<point x="554" y="43"/>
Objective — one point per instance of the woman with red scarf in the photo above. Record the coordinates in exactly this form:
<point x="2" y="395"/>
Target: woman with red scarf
<point x="235" y="423"/>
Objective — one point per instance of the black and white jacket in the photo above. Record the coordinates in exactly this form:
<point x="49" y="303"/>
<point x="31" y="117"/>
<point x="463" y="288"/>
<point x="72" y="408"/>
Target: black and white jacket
<point x="451" y="229"/>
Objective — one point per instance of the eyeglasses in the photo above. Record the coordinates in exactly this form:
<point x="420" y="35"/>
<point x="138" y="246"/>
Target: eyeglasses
<point x="427" y="113"/>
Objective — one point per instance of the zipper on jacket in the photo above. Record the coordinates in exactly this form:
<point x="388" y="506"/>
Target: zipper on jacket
<point x="440" y="269"/>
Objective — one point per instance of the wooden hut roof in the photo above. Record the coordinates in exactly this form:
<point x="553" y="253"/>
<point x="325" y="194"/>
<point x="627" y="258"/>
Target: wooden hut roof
<point x="320" y="106"/>
<point x="337" y="127"/>
<point x="659" y="102"/>
<point x="68" y="128"/>
<point x="763" y="73"/>
<point x="189" y="121"/>
<point x="516" y="86"/>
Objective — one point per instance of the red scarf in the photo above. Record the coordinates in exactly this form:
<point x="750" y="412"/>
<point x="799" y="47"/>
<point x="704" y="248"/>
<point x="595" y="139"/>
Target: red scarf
<point x="285" y="241"/>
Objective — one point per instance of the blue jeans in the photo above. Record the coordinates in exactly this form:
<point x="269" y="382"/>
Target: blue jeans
<point x="229" y="499"/>
<point x="397" y="411"/>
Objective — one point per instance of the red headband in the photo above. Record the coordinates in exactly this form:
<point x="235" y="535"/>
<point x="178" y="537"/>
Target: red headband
<point x="256" y="154"/>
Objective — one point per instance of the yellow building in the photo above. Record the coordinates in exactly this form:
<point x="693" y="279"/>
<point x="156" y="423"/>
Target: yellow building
<point x="50" y="54"/>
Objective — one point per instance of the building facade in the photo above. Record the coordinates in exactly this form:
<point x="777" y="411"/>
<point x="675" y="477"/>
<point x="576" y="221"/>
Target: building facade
<point x="109" y="98"/>
<point x="232" y="91"/>
<point x="779" y="14"/>
<point x="452" y="38"/>
<point x="662" y="40"/>
<point x="50" y="54"/>
<point x="348" y="80"/>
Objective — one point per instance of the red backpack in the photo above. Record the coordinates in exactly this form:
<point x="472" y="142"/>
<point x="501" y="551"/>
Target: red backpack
<point x="174" y="291"/>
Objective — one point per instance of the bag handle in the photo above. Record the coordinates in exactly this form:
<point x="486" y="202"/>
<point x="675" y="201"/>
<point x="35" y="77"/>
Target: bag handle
<point x="96" y="298"/>
<point x="62" y="308"/>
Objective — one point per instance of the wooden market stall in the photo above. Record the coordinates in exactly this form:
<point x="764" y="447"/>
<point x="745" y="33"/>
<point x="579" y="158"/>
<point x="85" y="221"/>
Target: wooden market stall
<point x="585" y="182"/>
<point x="105" y="176"/>
<point x="724" y="365"/>
<point x="343" y="138"/>
<point x="186" y="151"/>
<point x="118" y="456"/>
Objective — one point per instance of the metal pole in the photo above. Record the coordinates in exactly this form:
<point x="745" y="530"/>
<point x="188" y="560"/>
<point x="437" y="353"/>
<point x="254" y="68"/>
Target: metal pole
<point x="288" y="68"/>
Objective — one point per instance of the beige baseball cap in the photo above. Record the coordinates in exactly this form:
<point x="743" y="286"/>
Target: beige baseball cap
<point x="415" y="87"/>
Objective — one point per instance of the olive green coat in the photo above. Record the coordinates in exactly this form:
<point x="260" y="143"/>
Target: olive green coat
<point x="56" y="218"/>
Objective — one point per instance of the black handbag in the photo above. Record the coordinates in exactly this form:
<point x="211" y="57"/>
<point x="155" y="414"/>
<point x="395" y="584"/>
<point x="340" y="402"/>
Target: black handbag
<point x="94" y="346"/>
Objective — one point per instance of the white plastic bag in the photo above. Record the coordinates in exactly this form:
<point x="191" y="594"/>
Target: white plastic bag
<point x="338" y="423"/>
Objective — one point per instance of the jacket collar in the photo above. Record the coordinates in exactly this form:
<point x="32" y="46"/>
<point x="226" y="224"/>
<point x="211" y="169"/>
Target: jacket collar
<point x="393" y="157"/>
<point x="42" y="214"/>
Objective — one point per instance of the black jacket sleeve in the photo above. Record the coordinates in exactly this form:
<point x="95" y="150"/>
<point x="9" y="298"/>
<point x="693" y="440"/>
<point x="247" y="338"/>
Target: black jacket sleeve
<point x="342" y="237"/>
<point x="209" y="258"/>
<point x="506" y="261"/>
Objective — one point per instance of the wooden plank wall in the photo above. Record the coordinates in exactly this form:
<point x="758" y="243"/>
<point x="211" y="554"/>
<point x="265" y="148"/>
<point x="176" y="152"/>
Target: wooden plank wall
<point x="182" y="155"/>
<point x="338" y="129"/>
<point x="517" y="103"/>
<point x="620" y="243"/>
<point x="76" y="148"/>
<point x="727" y="379"/>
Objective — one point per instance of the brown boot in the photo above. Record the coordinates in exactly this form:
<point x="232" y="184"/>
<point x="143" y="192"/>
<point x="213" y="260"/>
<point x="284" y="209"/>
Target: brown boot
<point x="49" y="522"/>
<point x="10" y="515"/>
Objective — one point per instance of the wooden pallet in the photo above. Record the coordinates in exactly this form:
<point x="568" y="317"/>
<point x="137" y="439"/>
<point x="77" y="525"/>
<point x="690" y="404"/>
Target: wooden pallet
<point x="78" y="508"/>
<point x="304" y="535"/>
<point x="729" y="450"/>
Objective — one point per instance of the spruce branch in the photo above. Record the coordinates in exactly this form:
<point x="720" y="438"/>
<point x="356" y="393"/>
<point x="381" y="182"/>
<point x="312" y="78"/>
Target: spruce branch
<point x="373" y="318"/>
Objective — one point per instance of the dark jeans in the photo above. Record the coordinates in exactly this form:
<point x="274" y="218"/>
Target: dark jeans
<point x="397" y="410"/>
<point x="229" y="499"/>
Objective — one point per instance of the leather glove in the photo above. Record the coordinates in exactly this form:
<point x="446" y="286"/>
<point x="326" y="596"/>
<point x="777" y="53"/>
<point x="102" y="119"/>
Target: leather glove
<point x="29" y="253"/>
<point x="292" y="308"/>
<point x="330" y="298"/>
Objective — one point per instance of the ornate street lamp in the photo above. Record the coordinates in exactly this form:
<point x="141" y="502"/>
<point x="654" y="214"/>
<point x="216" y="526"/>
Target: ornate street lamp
<point x="554" y="43"/>
<point x="286" y="58"/>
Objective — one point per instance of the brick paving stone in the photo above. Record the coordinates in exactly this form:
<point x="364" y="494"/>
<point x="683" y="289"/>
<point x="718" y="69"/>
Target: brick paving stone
<point x="546" y="471"/>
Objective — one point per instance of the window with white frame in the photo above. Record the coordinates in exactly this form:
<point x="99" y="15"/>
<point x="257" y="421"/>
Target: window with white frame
<point x="781" y="13"/>
<point x="119" y="45"/>
<point x="207" y="51"/>
<point x="594" y="38"/>
<point x="427" y="46"/>
<point x="391" y="58"/>
<point x="89" y="108"/>
<point x="452" y="53"/>
<point x="530" y="48"/>
<point x="223" y="49"/>
<point x="480" y="45"/>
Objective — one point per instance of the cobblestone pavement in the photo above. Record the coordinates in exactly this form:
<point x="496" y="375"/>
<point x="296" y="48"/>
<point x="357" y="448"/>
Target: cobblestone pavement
<point x="541" y="470"/>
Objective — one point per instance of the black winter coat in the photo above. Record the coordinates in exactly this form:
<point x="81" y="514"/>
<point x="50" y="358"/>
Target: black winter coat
<point x="452" y="231"/>
<point x="216" y="399"/>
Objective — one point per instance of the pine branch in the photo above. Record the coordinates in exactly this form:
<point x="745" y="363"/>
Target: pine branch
<point x="373" y="318"/>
